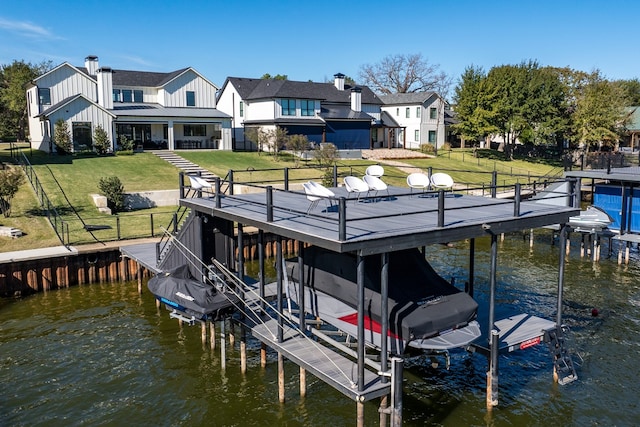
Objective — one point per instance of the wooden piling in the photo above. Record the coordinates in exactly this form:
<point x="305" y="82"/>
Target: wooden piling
<point x="263" y="355"/>
<point x="281" y="396"/>
<point x="212" y="334"/>
<point x="303" y="382"/>
<point x="360" y="416"/>
<point x="243" y="356"/>
<point x="223" y="349"/>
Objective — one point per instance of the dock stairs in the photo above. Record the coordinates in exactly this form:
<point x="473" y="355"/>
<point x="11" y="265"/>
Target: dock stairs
<point x="563" y="363"/>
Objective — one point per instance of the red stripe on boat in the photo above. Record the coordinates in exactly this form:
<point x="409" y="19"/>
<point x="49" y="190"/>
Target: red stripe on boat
<point x="369" y="324"/>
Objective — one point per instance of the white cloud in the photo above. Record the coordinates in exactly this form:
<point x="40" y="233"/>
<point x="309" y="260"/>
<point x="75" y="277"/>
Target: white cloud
<point x="26" y="28"/>
<point x="137" y="60"/>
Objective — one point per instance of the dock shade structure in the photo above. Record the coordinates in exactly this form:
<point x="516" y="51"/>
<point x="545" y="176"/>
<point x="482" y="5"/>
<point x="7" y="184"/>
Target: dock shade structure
<point x="373" y="244"/>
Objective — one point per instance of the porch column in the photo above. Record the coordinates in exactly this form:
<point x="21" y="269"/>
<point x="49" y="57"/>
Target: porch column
<point x="171" y="142"/>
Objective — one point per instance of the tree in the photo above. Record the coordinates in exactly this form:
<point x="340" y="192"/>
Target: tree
<point x="113" y="190"/>
<point x="10" y="181"/>
<point x="101" y="140"/>
<point x="470" y="106"/>
<point x="404" y="74"/>
<point x="298" y="144"/>
<point x="13" y="102"/>
<point x="267" y="76"/>
<point x="631" y="89"/>
<point x="62" y="137"/>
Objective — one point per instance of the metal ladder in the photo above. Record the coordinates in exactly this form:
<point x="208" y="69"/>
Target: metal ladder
<point x="562" y="361"/>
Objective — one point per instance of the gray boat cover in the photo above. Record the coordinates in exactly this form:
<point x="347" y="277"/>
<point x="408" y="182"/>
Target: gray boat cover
<point x="421" y="303"/>
<point x="178" y="286"/>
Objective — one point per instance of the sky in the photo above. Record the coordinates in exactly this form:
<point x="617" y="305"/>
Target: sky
<point x="313" y="40"/>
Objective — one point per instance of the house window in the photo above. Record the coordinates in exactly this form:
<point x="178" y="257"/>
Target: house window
<point x="44" y="95"/>
<point x="82" y="138"/>
<point x="241" y="109"/>
<point x="191" y="98"/>
<point x="418" y="112"/>
<point x="408" y="112"/>
<point x="288" y="107"/>
<point x="127" y="95"/>
<point x="416" y="136"/>
<point x="137" y="96"/>
<point x="397" y="111"/>
<point x="217" y="131"/>
<point x="433" y="113"/>
<point x="307" y="107"/>
<point x="195" y="130"/>
<point x="432" y="136"/>
<point x="117" y="95"/>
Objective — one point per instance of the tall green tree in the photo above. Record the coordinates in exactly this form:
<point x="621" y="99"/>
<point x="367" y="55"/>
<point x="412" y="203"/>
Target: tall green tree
<point x="631" y="89"/>
<point x="472" y="106"/>
<point x="13" y="102"/>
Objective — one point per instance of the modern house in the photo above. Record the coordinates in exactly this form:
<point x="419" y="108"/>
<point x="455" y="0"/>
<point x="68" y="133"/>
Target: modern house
<point x="347" y="116"/>
<point x="423" y="118"/>
<point x="174" y="110"/>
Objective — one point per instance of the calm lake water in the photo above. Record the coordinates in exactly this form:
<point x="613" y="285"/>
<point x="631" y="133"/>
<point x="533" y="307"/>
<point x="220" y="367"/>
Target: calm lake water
<point x="103" y="355"/>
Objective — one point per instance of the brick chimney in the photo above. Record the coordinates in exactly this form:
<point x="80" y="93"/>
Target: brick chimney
<point x="105" y="87"/>
<point x="339" y="81"/>
<point x="91" y="64"/>
<point x="356" y="99"/>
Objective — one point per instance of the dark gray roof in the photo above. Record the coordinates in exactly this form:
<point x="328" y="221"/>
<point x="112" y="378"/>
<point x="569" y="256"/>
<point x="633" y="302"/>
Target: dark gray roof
<point x="339" y="112"/>
<point x="388" y="120"/>
<point x="157" y="110"/>
<point x="139" y="78"/>
<point x="406" y="98"/>
<point x="252" y="89"/>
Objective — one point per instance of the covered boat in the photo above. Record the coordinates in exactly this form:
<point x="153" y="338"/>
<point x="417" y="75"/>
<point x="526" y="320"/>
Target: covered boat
<point x="181" y="292"/>
<point x="425" y="311"/>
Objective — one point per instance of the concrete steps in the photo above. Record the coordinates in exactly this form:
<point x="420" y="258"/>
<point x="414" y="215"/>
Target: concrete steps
<point x="184" y="164"/>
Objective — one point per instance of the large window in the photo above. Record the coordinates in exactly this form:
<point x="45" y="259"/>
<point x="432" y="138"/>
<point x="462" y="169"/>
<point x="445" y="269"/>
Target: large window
<point x="307" y="107"/>
<point x="137" y="96"/>
<point x="432" y="136"/>
<point x="433" y="113"/>
<point x="117" y="95"/>
<point x="288" y="107"/>
<point x="191" y="98"/>
<point x="44" y="95"/>
<point x="82" y="139"/>
<point x="195" y="130"/>
<point x="127" y="95"/>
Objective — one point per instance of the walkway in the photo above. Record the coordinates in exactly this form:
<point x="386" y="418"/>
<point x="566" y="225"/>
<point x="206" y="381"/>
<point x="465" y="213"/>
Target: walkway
<point x="184" y="164"/>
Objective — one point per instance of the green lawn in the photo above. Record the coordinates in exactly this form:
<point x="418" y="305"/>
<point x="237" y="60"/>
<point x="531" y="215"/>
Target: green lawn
<point x="77" y="177"/>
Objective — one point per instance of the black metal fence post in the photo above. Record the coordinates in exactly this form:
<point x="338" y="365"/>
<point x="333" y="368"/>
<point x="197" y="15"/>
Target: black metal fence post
<point x="269" y="203"/>
<point x="342" y="218"/>
<point x="440" y="208"/>
<point x="153" y="234"/>
<point x="517" y="198"/>
<point x="286" y="179"/>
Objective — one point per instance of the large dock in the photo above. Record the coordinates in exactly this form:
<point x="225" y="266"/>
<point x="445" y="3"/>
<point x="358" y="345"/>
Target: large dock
<point x="370" y="226"/>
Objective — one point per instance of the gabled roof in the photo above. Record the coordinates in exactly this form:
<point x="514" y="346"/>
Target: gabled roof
<point x="67" y="101"/>
<point x="407" y="98"/>
<point x="81" y="71"/>
<point x="255" y="89"/>
<point x="144" y="78"/>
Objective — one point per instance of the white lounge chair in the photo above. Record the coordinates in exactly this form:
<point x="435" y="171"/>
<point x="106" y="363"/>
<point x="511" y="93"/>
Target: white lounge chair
<point x="311" y="196"/>
<point x="353" y="184"/>
<point x="200" y="184"/>
<point x="374" y="170"/>
<point x="375" y="184"/>
<point x="324" y="192"/>
<point x="418" y="180"/>
<point x="441" y="181"/>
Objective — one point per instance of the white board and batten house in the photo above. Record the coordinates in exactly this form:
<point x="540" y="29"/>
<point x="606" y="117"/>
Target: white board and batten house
<point x="424" y="118"/>
<point x="156" y="110"/>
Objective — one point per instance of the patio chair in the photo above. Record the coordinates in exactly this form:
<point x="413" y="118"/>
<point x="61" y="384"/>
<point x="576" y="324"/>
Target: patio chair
<point x="441" y="181"/>
<point x="324" y="192"/>
<point x="376" y="184"/>
<point x="311" y="196"/>
<point x="353" y="184"/>
<point x="418" y="180"/>
<point x="374" y="170"/>
<point x="200" y="184"/>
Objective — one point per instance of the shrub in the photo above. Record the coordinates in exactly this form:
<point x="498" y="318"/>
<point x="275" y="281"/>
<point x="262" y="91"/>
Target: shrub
<point x="126" y="144"/>
<point x="298" y="144"/>
<point x="113" y="190"/>
<point x="62" y="137"/>
<point x="446" y="146"/>
<point x="10" y="181"/>
<point x="326" y="154"/>
<point x="101" y="140"/>
<point x="427" y="148"/>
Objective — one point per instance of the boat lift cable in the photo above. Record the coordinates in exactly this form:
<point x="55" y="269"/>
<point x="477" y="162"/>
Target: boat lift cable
<point x="232" y="277"/>
<point x="84" y="225"/>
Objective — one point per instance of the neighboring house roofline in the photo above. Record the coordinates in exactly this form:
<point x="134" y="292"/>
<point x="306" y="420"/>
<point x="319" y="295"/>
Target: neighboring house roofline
<point x="64" y="64"/>
<point x="408" y="98"/>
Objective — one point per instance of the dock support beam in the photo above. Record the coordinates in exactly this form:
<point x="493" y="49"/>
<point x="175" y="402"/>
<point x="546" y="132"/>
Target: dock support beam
<point x="281" y="377"/>
<point x="397" y="369"/>
<point x="492" y="374"/>
<point x="223" y="348"/>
